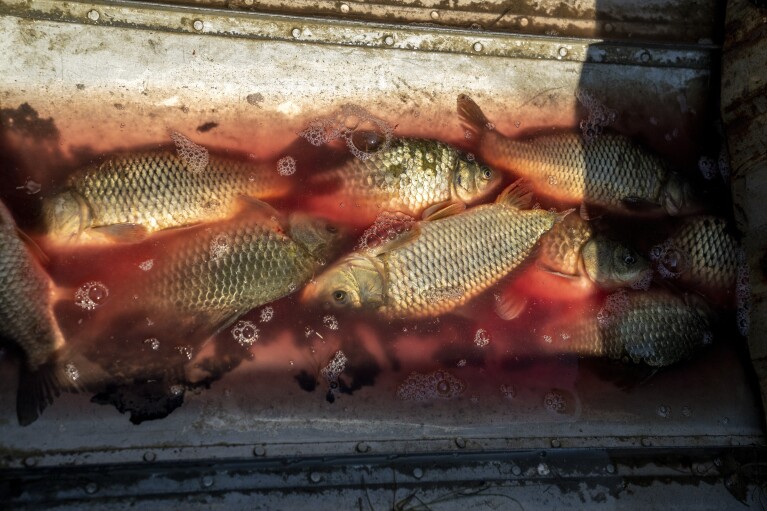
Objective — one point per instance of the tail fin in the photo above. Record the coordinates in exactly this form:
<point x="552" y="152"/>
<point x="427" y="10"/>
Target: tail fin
<point x="516" y="195"/>
<point x="65" y="371"/>
<point x="471" y="116"/>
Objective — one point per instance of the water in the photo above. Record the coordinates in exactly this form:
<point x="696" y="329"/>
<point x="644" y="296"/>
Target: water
<point x="456" y="357"/>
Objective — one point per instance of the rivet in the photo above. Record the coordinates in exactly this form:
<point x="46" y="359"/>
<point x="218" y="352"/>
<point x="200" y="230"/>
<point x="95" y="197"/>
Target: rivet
<point x="644" y="57"/>
<point x="149" y="456"/>
<point x="362" y="447"/>
<point x="91" y="488"/>
<point x="524" y="22"/>
<point x="344" y="8"/>
<point x="417" y="473"/>
<point x="562" y="51"/>
<point x="315" y="477"/>
<point x="197" y="25"/>
<point x="478" y="47"/>
<point x="296" y="33"/>
<point x="434" y="15"/>
<point x="516" y="470"/>
<point x="556" y="443"/>
<point x="30" y="462"/>
<point x="646" y="442"/>
<point x="610" y="468"/>
<point x="259" y="450"/>
<point x="460" y="442"/>
<point x="207" y="481"/>
<point x="93" y="15"/>
<point x="388" y="40"/>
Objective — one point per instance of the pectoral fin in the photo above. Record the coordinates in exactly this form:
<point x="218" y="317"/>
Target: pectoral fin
<point x="123" y="233"/>
<point x="443" y="210"/>
<point x="639" y="204"/>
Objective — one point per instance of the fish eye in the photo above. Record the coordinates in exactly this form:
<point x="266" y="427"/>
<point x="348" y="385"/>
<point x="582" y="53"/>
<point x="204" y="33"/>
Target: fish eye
<point x="487" y="173"/>
<point x="339" y="296"/>
<point x="629" y="259"/>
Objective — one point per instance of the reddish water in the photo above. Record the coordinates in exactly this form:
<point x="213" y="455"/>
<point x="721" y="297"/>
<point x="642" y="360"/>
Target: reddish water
<point x="138" y="349"/>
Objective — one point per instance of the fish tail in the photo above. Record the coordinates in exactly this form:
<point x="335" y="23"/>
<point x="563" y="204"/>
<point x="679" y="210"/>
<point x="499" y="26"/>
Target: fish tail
<point x="38" y="388"/>
<point x="471" y="116"/>
<point x="516" y="195"/>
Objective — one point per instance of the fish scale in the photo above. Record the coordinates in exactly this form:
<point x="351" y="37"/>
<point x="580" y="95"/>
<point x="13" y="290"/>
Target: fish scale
<point x="654" y="327"/>
<point x="259" y="264"/>
<point x="408" y="176"/>
<point x="26" y="314"/>
<point x="158" y="190"/>
<point x="563" y="166"/>
<point x="454" y="259"/>
<point x="710" y="252"/>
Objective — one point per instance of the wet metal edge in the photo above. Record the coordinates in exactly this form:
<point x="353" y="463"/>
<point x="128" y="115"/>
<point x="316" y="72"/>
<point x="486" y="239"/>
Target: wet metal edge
<point x="195" y="20"/>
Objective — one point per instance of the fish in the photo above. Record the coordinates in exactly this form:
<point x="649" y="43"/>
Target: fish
<point x="406" y="176"/>
<point x="611" y="172"/>
<point x="702" y="255"/>
<point x="572" y="249"/>
<point x="131" y="195"/>
<point x="27" y="319"/>
<point x="654" y="327"/>
<point x="440" y="263"/>
<point x="218" y="271"/>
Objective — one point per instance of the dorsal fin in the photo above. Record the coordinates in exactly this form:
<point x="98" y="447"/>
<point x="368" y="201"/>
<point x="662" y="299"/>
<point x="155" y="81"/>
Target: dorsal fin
<point x="443" y="210"/>
<point x="471" y="116"/>
<point x="516" y="195"/>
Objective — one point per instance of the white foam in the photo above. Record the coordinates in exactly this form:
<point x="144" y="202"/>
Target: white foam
<point x="194" y="156"/>
<point x="286" y="166"/>
<point x="91" y="295"/>
<point x="245" y="333"/>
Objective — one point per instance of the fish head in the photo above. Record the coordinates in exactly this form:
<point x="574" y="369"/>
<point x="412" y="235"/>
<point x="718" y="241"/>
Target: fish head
<point x="472" y="181"/>
<point x="66" y="214"/>
<point x="318" y="236"/>
<point x="355" y="282"/>
<point x="611" y="264"/>
<point x="678" y="197"/>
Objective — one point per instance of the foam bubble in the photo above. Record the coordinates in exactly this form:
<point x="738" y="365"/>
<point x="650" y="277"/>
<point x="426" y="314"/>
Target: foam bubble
<point x="335" y="367"/>
<point x="245" y="333"/>
<point x="643" y="283"/>
<point x="72" y="372"/>
<point x="436" y="385"/>
<point x="508" y="391"/>
<point x="670" y="260"/>
<point x="146" y="265"/>
<point x="267" y="313"/>
<point x="330" y="322"/>
<point x="363" y="133"/>
<point x="220" y="246"/>
<point x="185" y="351"/>
<point x="708" y="167"/>
<point x="194" y="156"/>
<point x="599" y="115"/>
<point x="153" y="342"/>
<point x="481" y="338"/>
<point x="176" y="390"/>
<point x="554" y="402"/>
<point x="387" y="227"/>
<point x="663" y="411"/>
<point x="547" y="339"/>
<point x="615" y="305"/>
<point x="286" y="166"/>
<point x="461" y="363"/>
<point x="91" y="295"/>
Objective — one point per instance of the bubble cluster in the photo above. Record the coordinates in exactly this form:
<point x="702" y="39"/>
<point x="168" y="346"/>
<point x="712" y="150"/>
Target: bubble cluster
<point x="186" y="351"/>
<point x="30" y="186"/>
<point x="461" y="363"/>
<point x="547" y="339"/>
<point x="554" y="402"/>
<point x="147" y="265"/>
<point x="387" y="227"/>
<point x="663" y="411"/>
<point x="743" y="295"/>
<point x="245" y="333"/>
<point x="176" y="390"/>
<point x="615" y="305"/>
<point x="330" y="322"/>
<point x="220" y="246"/>
<point x="153" y="342"/>
<point x="481" y="338"/>
<point x="363" y="133"/>
<point x="335" y="367"/>
<point x="267" y="313"/>
<point x="643" y="283"/>
<point x="194" y="156"/>
<point x="72" y="372"/>
<point x="441" y="294"/>
<point x="552" y="179"/>
<point x="436" y="385"/>
<point x="508" y="391"/>
<point x="286" y="166"/>
<point x="599" y="115"/>
<point x="708" y="167"/>
<point x="91" y="295"/>
<point x="670" y="261"/>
